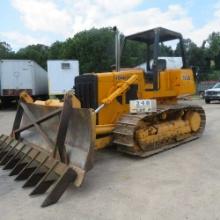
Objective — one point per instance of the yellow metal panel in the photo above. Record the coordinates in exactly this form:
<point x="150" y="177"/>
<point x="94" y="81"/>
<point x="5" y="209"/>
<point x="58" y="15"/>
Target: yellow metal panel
<point x="104" y="129"/>
<point x="103" y="142"/>
<point x="172" y="83"/>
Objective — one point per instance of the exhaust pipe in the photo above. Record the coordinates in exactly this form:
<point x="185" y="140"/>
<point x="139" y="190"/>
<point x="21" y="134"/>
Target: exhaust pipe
<point x="117" y="49"/>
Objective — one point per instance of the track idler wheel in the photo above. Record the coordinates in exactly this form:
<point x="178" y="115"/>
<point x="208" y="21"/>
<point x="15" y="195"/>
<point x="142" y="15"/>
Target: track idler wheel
<point x="194" y="119"/>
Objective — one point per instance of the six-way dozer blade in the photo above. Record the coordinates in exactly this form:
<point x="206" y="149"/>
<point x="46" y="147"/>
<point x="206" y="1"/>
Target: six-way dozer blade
<point x="50" y="147"/>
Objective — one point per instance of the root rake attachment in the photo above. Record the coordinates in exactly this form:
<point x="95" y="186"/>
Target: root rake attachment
<point x="58" y="160"/>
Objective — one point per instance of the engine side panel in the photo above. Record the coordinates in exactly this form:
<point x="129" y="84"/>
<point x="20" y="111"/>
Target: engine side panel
<point x="172" y="84"/>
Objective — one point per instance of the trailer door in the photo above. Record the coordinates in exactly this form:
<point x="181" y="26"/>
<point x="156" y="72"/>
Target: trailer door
<point x="16" y="76"/>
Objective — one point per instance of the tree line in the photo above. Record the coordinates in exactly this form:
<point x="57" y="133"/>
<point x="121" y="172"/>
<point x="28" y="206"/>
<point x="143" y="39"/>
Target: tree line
<point x="95" y="51"/>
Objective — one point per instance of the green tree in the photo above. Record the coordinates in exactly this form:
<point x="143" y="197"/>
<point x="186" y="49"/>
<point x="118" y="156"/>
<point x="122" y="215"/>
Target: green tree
<point x="213" y="48"/>
<point x="166" y="51"/>
<point x="56" y="50"/>
<point x="38" y="53"/>
<point x="133" y="54"/>
<point x="93" y="48"/>
<point x="195" y="56"/>
<point x="6" y="51"/>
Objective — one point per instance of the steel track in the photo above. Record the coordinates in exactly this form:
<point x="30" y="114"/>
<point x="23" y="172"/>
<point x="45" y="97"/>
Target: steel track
<point x="124" y="133"/>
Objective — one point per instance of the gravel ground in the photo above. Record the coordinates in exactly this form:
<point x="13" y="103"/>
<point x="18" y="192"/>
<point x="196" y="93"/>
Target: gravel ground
<point x="182" y="183"/>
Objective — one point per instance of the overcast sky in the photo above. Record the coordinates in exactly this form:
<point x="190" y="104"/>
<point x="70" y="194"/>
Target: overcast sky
<point x="25" y="22"/>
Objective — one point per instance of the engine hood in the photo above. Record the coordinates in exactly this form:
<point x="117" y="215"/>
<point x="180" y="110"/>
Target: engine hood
<point x="213" y="90"/>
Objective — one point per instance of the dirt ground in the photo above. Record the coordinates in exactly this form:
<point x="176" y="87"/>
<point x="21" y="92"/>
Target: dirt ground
<point x="182" y="183"/>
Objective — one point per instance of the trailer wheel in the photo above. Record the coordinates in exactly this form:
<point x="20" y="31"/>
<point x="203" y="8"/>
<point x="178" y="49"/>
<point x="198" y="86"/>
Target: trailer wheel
<point x="5" y="102"/>
<point x="207" y="101"/>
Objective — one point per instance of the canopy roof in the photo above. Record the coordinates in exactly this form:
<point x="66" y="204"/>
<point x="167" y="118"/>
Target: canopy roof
<point x="149" y="36"/>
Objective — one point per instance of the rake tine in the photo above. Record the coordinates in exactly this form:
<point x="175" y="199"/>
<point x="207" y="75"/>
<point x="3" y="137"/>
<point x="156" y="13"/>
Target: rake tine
<point x="28" y="169"/>
<point x="14" y="159"/>
<point x="3" y="139"/>
<point x="4" y="150"/>
<point x="34" y="180"/>
<point x="36" y="176"/>
<point x="42" y="187"/>
<point x="59" y="187"/>
<point x="20" y="164"/>
<point x="1" y="136"/>
<point x="8" y="155"/>
<point x="26" y="172"/>
<point x="45" y="182"/>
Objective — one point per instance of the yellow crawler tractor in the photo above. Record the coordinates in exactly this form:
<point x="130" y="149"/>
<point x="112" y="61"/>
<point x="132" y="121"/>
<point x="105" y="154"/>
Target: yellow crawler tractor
<point x="52" y="143"/>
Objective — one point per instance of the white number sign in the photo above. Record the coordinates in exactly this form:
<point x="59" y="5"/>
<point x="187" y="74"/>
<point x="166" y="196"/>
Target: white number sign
<point x="143" y="105"/>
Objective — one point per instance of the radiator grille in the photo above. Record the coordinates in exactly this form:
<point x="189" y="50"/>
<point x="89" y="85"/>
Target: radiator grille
<point x="86" y="90"/>
<point x="212" y="93"/>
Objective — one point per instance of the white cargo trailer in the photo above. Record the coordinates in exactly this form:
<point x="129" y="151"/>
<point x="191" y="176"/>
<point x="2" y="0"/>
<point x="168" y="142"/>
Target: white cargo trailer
<point x="20" y="75"/>
<point x="61" y="75"/>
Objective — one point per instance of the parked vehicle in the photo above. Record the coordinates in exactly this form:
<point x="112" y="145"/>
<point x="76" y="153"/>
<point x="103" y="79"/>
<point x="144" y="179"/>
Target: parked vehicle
<point x="61" y="75"/>
<point x="213" y="94"/>
<point x="203" y="86"/>
<point x="20" y="75"/>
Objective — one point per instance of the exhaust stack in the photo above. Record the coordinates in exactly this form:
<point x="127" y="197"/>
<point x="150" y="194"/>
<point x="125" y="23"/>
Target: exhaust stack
<point x="117" y="49"/>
